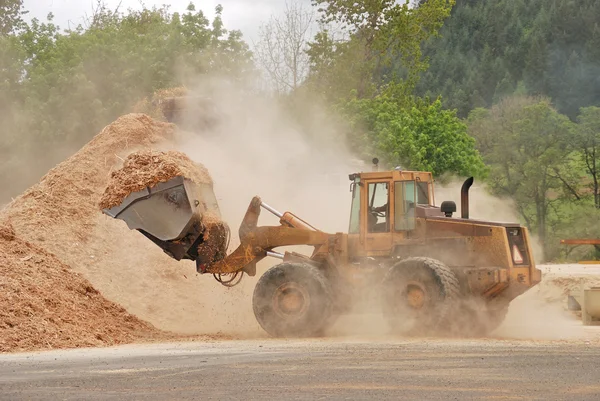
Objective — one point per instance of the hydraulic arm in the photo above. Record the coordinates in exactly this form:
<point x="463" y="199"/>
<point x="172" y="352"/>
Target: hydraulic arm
<point x="258" y="242"/>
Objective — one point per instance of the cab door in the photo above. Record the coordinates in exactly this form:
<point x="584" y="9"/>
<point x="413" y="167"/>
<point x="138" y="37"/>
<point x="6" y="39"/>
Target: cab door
<point x="376" y="231"/>
<point x="405" y="202"/>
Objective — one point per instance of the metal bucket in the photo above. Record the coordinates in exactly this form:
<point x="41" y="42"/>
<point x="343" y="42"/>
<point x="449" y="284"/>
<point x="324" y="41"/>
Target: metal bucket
<point x="171" y="214"/>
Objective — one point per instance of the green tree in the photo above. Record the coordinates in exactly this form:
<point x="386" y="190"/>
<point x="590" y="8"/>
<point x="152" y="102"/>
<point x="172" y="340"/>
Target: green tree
<point x="12" y="64"/>
<point x="11" y="13"/>
<point x="423" y="137"/>
<point x="587" y="143"/>
<point x="490" y="46"/>
<point x="59" y="88"/>
<point x="525" y="141"/>
<point x="383" y="34"/>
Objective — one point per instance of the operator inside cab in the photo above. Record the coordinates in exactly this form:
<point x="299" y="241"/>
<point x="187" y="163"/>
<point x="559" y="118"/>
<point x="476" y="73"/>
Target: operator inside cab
<point x="375" y="226"/>
<point x="378" y="216"/>
<point x="379" y="207"/>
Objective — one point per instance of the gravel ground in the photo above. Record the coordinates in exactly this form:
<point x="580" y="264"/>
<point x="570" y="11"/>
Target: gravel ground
<point x="424" y="369"/>
<point x="541" y="352"/>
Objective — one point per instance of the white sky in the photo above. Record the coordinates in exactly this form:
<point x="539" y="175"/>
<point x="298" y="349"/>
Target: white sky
<point x="245" y="15"/>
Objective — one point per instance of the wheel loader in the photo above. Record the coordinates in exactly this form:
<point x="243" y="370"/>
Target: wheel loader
<point x="429" y="271"/>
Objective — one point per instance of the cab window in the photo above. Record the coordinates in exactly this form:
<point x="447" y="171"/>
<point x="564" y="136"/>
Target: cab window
<point x="422" y="193"/>
<point x="379" y="208"/>
<point x="405" y="196"/>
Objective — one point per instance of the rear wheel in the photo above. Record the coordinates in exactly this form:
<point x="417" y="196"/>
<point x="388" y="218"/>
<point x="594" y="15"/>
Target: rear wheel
<point x="419" y="295"/>
<point x="293" y="300"/>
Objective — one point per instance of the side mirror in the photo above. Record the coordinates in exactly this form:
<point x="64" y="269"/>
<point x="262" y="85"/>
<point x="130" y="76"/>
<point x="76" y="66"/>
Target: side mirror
<point x="448" y="207"/>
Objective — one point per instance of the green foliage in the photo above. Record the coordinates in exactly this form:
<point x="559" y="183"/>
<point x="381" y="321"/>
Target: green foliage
<point x="379" y="35"/>
<point x="488" y="48"/>
<point x="11" y="12"/>
<point x="586" y="143"/>
<point x="526" y="143"/>
<point x="423" y="137"/>
<point x="334" y="72"/>
<point x="62" y="87"/>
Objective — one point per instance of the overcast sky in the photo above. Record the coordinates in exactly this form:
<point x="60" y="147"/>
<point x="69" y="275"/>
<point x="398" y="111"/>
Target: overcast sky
<point x="244" y="15"/>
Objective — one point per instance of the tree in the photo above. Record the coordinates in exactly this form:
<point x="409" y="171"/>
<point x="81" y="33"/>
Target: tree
<point x="525" y="143"/>
<point x="587" y="144"/>
<point x="281" y="49"/>
<point x="491" y="46"/>
<point x="11" y="12"/>
<point x="424" y="137"/>
<point x="334" y="70"/>
<point x="12" y="65"/>
<point x="59" y="88"/>
<point x="385" y="34"/>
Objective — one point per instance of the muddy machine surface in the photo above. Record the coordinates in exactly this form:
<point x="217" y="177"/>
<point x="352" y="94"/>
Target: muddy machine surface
<point x="428" y="271"/>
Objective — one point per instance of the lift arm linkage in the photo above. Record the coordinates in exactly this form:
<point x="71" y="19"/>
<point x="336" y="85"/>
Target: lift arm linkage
<point x="257" y="241"/>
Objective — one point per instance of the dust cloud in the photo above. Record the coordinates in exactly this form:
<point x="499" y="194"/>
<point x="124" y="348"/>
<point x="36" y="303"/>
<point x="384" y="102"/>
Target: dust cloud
<point x="255" y="147"/>
<point x="542" y="312"/>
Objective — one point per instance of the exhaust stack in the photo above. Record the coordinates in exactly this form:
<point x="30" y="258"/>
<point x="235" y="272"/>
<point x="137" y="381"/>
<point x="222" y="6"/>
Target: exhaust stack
<point x="464" y="198"/>
<point x="375" y="164"/>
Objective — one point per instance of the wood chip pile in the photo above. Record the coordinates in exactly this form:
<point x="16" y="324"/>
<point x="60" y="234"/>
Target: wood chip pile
<point x="44" y="302"/>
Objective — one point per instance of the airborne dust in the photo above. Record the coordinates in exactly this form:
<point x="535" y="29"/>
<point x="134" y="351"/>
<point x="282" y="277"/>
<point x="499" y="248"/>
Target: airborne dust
<point x="252" y="147"/>
<point x="257" y="149"/>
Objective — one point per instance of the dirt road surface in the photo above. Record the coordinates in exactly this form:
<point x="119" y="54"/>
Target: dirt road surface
<point x="541" y="352"/>
<point x="426" y="369"/>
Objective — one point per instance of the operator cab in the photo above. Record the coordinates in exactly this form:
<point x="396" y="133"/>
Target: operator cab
<point x="372" y="193"/>
<point x="385" y="208"/>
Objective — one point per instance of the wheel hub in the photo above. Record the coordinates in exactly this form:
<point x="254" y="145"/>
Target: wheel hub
<point x="290" y="300"/>
<point x="415" y="296"/>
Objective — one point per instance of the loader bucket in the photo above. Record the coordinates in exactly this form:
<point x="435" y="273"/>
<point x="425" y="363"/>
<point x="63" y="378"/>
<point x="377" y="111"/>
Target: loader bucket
<point x="174" y="215"/>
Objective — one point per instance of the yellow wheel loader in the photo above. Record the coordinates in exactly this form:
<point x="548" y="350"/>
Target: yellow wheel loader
<point x="430" y="272"/>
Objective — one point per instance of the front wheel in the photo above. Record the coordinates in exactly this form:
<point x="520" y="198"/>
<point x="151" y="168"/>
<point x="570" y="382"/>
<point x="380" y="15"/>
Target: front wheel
<point x="293" y="300"/>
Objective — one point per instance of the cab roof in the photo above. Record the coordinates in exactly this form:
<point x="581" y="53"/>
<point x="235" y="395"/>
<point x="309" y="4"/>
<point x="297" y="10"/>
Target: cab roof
<point x="394" y="175"/>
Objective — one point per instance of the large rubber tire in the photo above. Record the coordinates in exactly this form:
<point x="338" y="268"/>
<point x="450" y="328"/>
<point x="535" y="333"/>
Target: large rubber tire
<point x="293" y="300"/>
<point x="419" y="296"/>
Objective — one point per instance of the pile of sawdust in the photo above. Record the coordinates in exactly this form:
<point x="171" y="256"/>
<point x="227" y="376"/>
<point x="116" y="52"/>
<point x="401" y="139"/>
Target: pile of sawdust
<point x="60" y="209"/>
<point x="45" y="305"/>
<point x="60" y="216"/>
<point x="43" y="232"/>
<point x="146" y="169"/>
